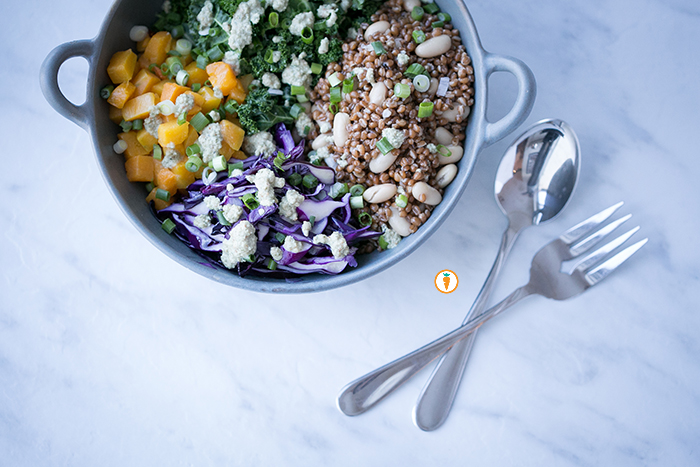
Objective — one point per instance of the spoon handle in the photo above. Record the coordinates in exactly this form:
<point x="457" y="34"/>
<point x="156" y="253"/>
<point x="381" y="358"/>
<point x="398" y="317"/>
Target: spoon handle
<point x="436" y="398"/>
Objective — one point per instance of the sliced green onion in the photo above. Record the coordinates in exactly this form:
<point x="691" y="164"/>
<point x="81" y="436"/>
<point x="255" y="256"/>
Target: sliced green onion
<point x="166" y="107"/>
<point x="336" y="95"/>
<point x="221" y="218"/>
<point x="383" y="244"/>
<point x="443" y="151"/>
<point x="157" y="152"/>
<point x="302" y="98"/>
<point x="357" y="190"/>
<point x="138" y="33"/>
<point x="193" y="150"/>
<point x="120" y="146"/>
<point x="357" y="202"/>
<point x="309" y="181"/>
<point x="178" y="31"/>
<point x="417" y="13"/>
<point x="250" y="201"/>
<point x="152" y="67"/>
<point x="202" y="62"/>
<point x="425" y="109"/>
<point x="307" y="129"/>
<point x="421" y="83"/>
<point x="296" y="110"/>
<point x="280" y="237"/>
<point x="418" y="36"/>
<point x="137" y="124"/>
<point x="182" y="118"/>
<point x="349" y="85"/>
<point x="307" y="35"/>
<point x="106" y="91"/>
<point x="312" y="220"/>
<point x="431" y="8"/>
<point x="413" y="70"/>
<point x="182" y="77"/>
<point x="438" y="24"/>
<point x="174" y="65"/>
<point x="445" y="17"/>
<point x="296" y="90"/>
<point x="333" y="109"/>
<point x="163" y="195"/>
<point x="365" y="219"/>
<point x="338" y="189"/>
<point x="196" y="87"/>
<point x="402" y="90"/>
<point x="271" y="264"/>
<point x="150" y="186"/>
<point x="316" y="68"/>
<point x="174" y="53"/>
<point x="194" y="163"/>
<point x="230" y="106"/>
<point x="199" y="122"/>
<point x="236" y="166"/>
<point x="295" y="179"/>
<point x="219" y="163"/>
<point x="273" y="19"/>
<point x="401" y="200"/>
<point x="378" y="48"/>
<point x="126" y="126"/>
<point x="334" y="80"/>
<point x="215" y="53"/>
<point x="384" y="146"/>
<point x="269" y="56"/>
<point x="183" y="46"/>
<point x="168" y="225"/>
<point x="280" y="159"/>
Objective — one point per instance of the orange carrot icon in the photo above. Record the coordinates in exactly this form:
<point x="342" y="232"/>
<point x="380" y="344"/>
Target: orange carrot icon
<point x="446" y="280"/>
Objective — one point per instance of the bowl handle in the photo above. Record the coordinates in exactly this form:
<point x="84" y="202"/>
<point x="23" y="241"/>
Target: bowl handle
<point x="78" y="114"/>
<point x="527" y="90"/>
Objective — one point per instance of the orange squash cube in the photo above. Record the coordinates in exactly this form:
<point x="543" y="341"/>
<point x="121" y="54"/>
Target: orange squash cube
<point x="172" y="132"/>
<point x="121" y="66"/>
<point x="144" y="82"/>
<point x="115" y="114"/>
<point x="166" y="180"/>
<point x="237" y="93"/>
<point x="191" y="137"/>
<point x="232" y="134"/>
<point x="197" y="75"/>
<point x="158" y="87"/>
<point x="158" y="204"/>
<point x="138" y="107"/>
<point x="222" y="76"/>
<point x="121" y="94"/>
<point x="171" y="91"/>
<point x="146" y="139"/>
<point x="133" y="147"/>
<point x="184" y="177"/>
<point x="157" y="48"/>
<point x="139" y="169"/>
<point x="226" y="150"/>
<point x="211" y="102"/>
<point x="141" y="46"/>
<point x="240" y="155"/>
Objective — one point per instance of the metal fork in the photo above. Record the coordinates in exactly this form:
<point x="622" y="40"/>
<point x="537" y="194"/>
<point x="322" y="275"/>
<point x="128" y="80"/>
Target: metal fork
<point x="546" y="279"/>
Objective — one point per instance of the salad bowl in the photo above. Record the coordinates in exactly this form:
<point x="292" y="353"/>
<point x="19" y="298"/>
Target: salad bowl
<point x="93" y="117"/>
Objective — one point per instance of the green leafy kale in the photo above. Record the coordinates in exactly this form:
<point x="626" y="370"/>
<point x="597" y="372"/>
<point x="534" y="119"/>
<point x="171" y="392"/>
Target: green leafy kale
<point x="261" y="111"/>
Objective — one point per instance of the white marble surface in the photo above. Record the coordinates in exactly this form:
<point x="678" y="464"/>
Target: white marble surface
<point x="111" y="354"/>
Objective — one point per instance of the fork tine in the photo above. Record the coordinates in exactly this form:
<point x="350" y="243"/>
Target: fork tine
<point x="602" y="271"/>
<point x="579" y="230"/>
<point x="600" y="254"/>
<point x="584" y="244"/>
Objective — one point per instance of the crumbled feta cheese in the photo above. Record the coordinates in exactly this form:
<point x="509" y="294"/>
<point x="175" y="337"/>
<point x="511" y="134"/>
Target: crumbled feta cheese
<point x="301" y="21"/>
<point x="304" y="121"/>
<point x="218" y="93"/>
<point x="402" y="58"/>
<point x="366" y="74"/>
<point x="279" y="5"/>
<point x="386" y="113"/>
<point x="232" y="212"/>
<point x="259" y="143"/>
<point x="339" y="247"/>
<point x="392" y="238"/>
<point x="171" y="156"/>
<point x="202" y="221"/>
<point x="276" y="253"/>
<point x="306" y="228"/>
<point x="210" y="142"/>
<point x="205" y="18"/>
<point x="329" y="11"/>
<point x="298" y="73"/>
<point x="235" y="173"/>
<point x="293" y="245"/>
<point x="394" y="136"/>
<point x="247" y="14"/>
<point x="271" y="81"/>
<point x="184" y="103"/>
<point x="240" y="245"/>
<point x="153" y="121"/>
<point x="324" y="126"/>
<point x="352" y="33"/>
<point x="265" y="181"/>
<point x="277" y="39"/>
<point x="342" y="161"/>
<point x="369" y="76"/>
<point x="432" y="148"/>
<point x="323" y="46"/>
<point x="233" y="59"/>
<point x="289" y="204"/>
<point x="345" y="4"/>
<point x="166" y="6"/>
<point x="276" y="56"/>
<point x="212" y="202"/>
<point x="215" y="116"/>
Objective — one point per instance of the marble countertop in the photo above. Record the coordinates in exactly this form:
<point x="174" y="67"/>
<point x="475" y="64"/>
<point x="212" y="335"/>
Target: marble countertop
<point x="111" y="354"/>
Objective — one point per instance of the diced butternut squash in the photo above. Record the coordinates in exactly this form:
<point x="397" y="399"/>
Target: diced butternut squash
<point x="211" y="102"/>
<point x="121" y="66"/>
<point x="191" y="137"/>
<point x="184" y="177"/>
<point x="221" y="76"/>
<point x="197" y="75"/>
<point x="141" y="46"/>
<point x="165" y="179"/>
<point x="157" y="49"/>
<point x="171" y="91"/>
<point x="115" y="115"/>
<point x="138" y="107"/>
<point x="237" y="93"/>
<point x="139" y="169"/>
<point x="144" y="82"/>
<point x="146" y="139"/>
<point x="232" y="134"/>
<point x="239" y="155"/>
<point x="172" y="132"/>
<point x="226" y="150"/>
<point x="121" y="94"/>
<point x="133" y="147"/>
<point x="158" y="204"/>
<point x="158" y="87"/>
<point x="198" y="98"/>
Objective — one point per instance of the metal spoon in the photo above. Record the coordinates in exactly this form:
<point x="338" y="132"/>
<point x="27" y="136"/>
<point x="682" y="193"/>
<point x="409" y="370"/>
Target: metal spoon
<point x="534" y="181"/>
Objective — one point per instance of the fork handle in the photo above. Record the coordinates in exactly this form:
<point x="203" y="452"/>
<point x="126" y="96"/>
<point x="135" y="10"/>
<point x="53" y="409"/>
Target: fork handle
<point x="363" y="393"/>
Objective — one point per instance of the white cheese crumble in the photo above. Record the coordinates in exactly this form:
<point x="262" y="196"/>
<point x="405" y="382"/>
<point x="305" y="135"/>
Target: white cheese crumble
<point x="232" y="212"/>
<point x="171" y="157"/>
<point x="166" y="6"/>
<point x="303" y="121"/>
<point x="301" y="21"/>
<point x="212" y="202"/>
<point x="240" y="245"/>
<point x="233" y="59"/>
<point x="345" y="4"/>
<point x="402" y="58"/>
<point x="339" y="247"/>
<point x="215" y="116"/>
<point x="210" y="142"/>
<point x="279" y="5"/>
<point x="342" y="161"/>
<point x="259" y="143"/>
<point x="271" y="81"/>
<point x="202" y="221"/>
<point x="394" y="136"/>
<point x="432" y="148"/>
<point x="298" y="73"/>
<point x="205" y="18"/>
<point x="153" y="121"/>
<point x="247" y="14"/>
<point x="324" y="126"/>
<point x="265" y="181"/>
<point x="276" y="253"/>
<point x="329" y="11"/>
<point x="235" y="173"/>
<point x="218" y="93"/>
<point x="306" y="228"/>
<point x="293" y="245"/>
<point x="392" y="238"/>
<point x="352" y="33"/>
<point x="277" y="39"/>
<point x="323" y="46"/>
<point x="276" y="56"/>
<point x="184" y="103"/>
<point x="289" y="204"/>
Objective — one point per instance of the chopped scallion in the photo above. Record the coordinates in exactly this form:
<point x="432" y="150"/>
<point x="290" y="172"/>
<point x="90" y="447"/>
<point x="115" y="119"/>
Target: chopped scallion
<point x="336" y="95"/>
<point x="120" y="146"/>
<point x="168" y="225"/>
<point x="383" y="244"/>
<point x="333" y="109"/>
<point x="166" y="107"/>
<point x="137" y="124"/>
<point x="417" y="13"/>
<point x="157" y="152"/>
<point x="445" y="17"/>
<point x="250" y="201"/>
<point x="438" y="24"/>
<point x="414" y="70"/>
<point x="402" y="90"/>
<point x="338" y="189"/>
<point x="294" y="179"/>
<point x="174" y="53"/>
<point x="296" y="90"/>
<point x="182" y="118"/>
<point x="316" y="68"/>
<point x="401" y="200"/>
<point x="215" y="54"/>
<point x="193" y="150"/>
<point x="269" y="56"/>
<point x="349" y="85"/>
<point x="357" y="190"/>
<point x="302" y="98"/>
<point x="365" y="219"/>
<point x="230" y="106"/>
<point x="199" y="122"/>
<point x="378" y="48"/>
<point x="421" y="83"/>
<point x="280" y="237"/>
<point x="334" y="80"/>
<point x="150" y="186"/>
<point x="443" y="151"/>
<point x="425" y="109"/>
<point x="236" y="166"/>
<point x="106" y="91"/>
<point x="296" y="110"/>
<point x="309" y="181"/>
<point x="194" y="163"/>
<point x="418" y="36"/>
<point x="202" y="62"/>
<point x="196" y="87"/>
<point x="221" y="218"/>
<point x="163" y="195"/>
<point x="431" y="8"/>
<point x="307" y="35"/>
<point x="126" y="126"/>
<point x="357" y="202"/>
<point x="219" y="163"/>
<point x="178" y="31"/>
<point x="273" y="19"/>
<point x="182" y="78"/>
<point x="384" y="146"/>
<point x="183" y="46"/>
<point x="280" y="159"/>
<point x="271" y="264"/>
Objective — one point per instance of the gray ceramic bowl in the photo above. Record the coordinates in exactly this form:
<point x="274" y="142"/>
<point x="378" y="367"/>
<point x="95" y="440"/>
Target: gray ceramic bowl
<point x="93" y="117"/>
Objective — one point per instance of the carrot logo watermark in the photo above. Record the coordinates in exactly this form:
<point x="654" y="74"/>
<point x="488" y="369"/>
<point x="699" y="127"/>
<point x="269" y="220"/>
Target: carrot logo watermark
<point x="446" y="281"/>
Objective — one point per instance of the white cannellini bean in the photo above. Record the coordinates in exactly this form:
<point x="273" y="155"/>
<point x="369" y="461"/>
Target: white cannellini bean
<point x="322" y="141"/>
<point x="434" y="83"/>
<point x="340" y="128"/>
<point x="408" y="5"/>
<point x="426" y="194"/>
<point x="445" y="175"/>
<point x="379" y="193"/>
<point x="379" y="26"/>
<point x="457" y="153"/>
<point x="382" y="162"/>
<point x="443" y="136"/>
<point x="400" y="224"/>
<point x="434" y="46"/>
<point x="377" y="94"/>
<point x="456" y="113"/>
